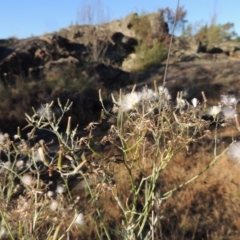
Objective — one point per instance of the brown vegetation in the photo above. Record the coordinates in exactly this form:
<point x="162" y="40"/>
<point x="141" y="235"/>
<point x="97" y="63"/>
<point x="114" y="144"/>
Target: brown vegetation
<point x="59" y="66"/>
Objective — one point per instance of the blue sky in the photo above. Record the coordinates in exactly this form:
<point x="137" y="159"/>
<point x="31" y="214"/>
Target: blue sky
<point x="23" y="18"/>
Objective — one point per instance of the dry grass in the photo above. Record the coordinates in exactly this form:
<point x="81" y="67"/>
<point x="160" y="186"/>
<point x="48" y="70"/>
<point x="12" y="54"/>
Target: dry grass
<point x="17" y="99"/>
<point x="108" y="176"/>
<point x="207" y="209"/>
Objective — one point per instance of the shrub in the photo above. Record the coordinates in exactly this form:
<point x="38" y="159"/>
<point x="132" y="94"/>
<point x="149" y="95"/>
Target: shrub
<point x="51" y="192"/>
<point x="148" y="56"/>
<point x="211" y="34"/>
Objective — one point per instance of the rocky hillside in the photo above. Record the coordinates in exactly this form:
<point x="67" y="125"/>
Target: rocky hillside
<point x="75" y="61"/>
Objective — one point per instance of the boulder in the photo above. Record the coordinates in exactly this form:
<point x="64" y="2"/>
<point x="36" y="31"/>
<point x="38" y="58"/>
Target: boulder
<point x="189" y="45"/>
<point x="229" y="47"/>
<point x="113" y="78"/>
<point x="42" y="55"/>
<point x="189" y="58"/>
<point x="236" y="54"/>
<point x="36" y="72"/>
<point x="158" y="25"/>
<point x="60" y="65"/>
<point x="28" y="57"/>
<point x="129" y="62"/>
<point x="214" y="50"/>
<point x="125" y="26"/>
<point x="124" y="42"/>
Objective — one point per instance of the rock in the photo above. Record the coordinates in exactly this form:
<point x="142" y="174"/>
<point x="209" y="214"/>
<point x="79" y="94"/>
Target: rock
<point x="194" y="45"/>
<point x="229" y="47"/>
<point x="28" y="56"/>
<point x="129" y="62"/>
<point x="124" y="42"/>
<point x="36" y="72"/>
<point x="111" y="77"/>
<point x="42" y="55"/>
<point x="236" y="54"/>
<point x="207" y="57"/>
<point x="189" y="58"/>
<point x="125" y="26"/>
<point x="158" y="25"/>
<point x="185" y="46"/>
<point x="122" y="46"/>
<point x="58" y="66"/>
<point x="214" y="50"/>
<point x="221" y="57"/>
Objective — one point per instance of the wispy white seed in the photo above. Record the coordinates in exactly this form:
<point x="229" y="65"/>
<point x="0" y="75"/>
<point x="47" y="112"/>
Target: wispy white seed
<point x="60" y="189"/>
<point x="79" y="219"/>
<point x="53" y="205"/>
<point x="27" y="179"/>
<point x="233" y="152"/>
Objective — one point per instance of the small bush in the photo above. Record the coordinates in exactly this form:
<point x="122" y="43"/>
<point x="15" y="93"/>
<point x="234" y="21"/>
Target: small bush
<point x="59" y="184"/>
<point x="216" y="33"/>
<point x="147" y="56"/>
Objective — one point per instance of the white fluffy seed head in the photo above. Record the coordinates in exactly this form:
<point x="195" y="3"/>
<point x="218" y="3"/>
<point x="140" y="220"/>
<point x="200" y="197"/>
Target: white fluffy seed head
<point x="130" y="101"/>
<point x="164" y="92"/>
<point x="45" y="112"/>
<point x="50" y="194"/>
<point x="19" y="164"/>
<point x="233" y="152"/>
<point x="60" y="189"/>
<point x="214" y="111"/>
<point x="228" y="100"/>
<point x="1" y="138"/>
<point x="181" y="103"/>
<point x="16" y="136"/>
<point x="194" y="102"/>
<point x="79" y="219"/>
<point x="3" y="232"/>
<point x="27" y="179"/>
<point x="149" y="94"/>
<point x="53" y="205"/>
<point x="228" y="112"/>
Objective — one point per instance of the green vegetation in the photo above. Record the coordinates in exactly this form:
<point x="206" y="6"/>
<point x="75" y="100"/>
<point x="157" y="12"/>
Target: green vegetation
<point x="147" y="57"/>
<point x="149" y="51"/>
<point x="211" y="34"/>
<point x="216" y="33"/>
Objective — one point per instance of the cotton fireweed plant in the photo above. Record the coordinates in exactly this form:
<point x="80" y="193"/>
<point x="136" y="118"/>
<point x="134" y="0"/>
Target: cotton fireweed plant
<point x="35" y="197"/>
<point x="150" y="129"/>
